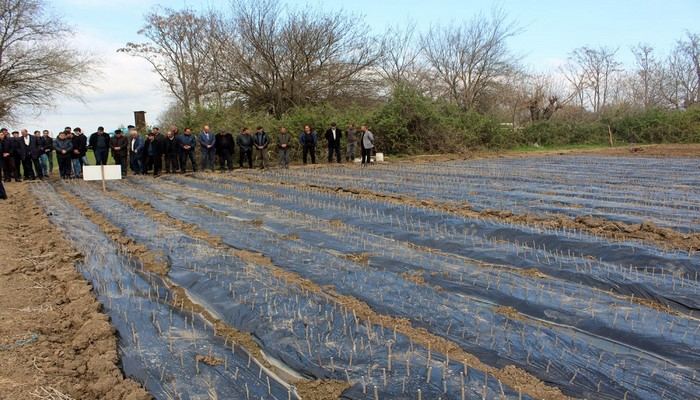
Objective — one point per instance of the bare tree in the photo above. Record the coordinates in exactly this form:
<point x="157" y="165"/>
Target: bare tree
<point x="36" y="63"/>
<point x="471" y="59"/>
<point x="401" y="63"/>
<point x="593" y="71"/>
<point x="682" y="77"/>
<point x="283" y="57"/>
<point x="646" y="81"/>
<point x="181" y="52"/>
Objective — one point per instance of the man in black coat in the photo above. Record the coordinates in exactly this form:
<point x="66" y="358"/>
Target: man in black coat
<point x="79" y="150"/>
<point x="99" y="143"/>
<point x="171" y="153"/>
<point x="120" y="149"/>
<point x="224" y="145"/>
<point x="8" y="155"/>
<point x="29" y="152"/>
<point x="14" y="147"/>
<point x="333" y="137"/>
<point x="46" y="158"/>
<point x="158" y="150"/>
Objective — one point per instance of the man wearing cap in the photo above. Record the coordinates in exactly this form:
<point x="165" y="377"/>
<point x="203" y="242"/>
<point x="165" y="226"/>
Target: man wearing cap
<point x="120" y="149"/>
<point x="333" y="137"/>
<point x="224" y="150"/>
<point x="99" y="143"/>
<point x="15" y="146"/>
<point x="207" y="140"/>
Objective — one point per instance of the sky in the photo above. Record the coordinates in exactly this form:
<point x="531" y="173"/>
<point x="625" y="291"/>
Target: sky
<point x="550" y="31"/>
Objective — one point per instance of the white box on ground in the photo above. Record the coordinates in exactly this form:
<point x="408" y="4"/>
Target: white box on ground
<point x="94" y="172"/>
<point x="379" y="157"/>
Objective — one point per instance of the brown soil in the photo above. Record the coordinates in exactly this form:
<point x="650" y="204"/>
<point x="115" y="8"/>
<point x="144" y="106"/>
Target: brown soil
<point x="54" y="341"/>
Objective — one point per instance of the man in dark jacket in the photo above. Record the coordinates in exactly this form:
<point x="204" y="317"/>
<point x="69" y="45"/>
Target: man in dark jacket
<point x="187" y="144"/>
<point x="308" y="142"/>
<point x="3" y="194"/>
<point x="284" y="143"/>
<point x="224" y="150"/>
<point x="158" y="150"/>
<point x="245" y="147"/>
<point x="333" y="137"/>
<point x="46" y="158"/>
<point x="99" y="143"/>
<point x="261" y="141"/>
<point x="120" y="149"/>
<point x="64" y="149"/>
<point x="14" y="145"/>
<point x="79" y="152"/>
<point x="136" y="152"/>
<point x="8" y="156"/>
<point x="29" y="151"/>
<point x="149" y="153"/>
<point x="170" y="150"/>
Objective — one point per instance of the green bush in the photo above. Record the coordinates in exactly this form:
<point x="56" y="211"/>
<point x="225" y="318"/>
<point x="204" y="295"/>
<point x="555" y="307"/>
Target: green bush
<point x="412" y="123"/>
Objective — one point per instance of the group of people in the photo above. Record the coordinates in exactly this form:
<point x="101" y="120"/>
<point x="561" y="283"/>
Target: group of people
<point x="35" y="153"/>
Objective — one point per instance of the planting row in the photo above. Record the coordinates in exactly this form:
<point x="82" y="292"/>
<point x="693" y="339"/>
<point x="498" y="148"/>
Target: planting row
<point x="162" y="346"/>
<point x="563" y="332"/>
<point x="308" y="335"/>
<point x="626" y="190"/>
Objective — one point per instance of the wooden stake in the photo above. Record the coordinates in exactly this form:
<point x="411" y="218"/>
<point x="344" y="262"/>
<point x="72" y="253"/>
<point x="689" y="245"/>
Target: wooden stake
<point x="612" y="144"/>
<point x="104" y="184"/>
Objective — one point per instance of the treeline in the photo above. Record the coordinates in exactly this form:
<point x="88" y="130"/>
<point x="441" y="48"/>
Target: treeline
<point x="409" y="123"/>
<point x="450" y="88"/>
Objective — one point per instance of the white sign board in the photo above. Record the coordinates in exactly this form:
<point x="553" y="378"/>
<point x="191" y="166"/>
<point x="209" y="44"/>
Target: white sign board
<point x="94" y="172"/>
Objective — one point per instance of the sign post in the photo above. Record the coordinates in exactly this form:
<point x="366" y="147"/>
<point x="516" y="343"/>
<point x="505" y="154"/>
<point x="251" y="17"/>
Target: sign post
<point x="102" y="173"/>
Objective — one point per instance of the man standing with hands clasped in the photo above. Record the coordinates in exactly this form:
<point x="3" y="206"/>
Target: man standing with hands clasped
<point x="120" y="149"/>
<point x="284" y="140"/>
<point x="333" y="137"/>
<point x="207" y="140"/>
<point x="261" y="140"/>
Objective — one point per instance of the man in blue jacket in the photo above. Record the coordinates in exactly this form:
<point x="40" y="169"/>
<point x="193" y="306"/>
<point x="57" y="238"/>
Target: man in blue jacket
<point x="187" y="144"/>
<point x="207" y="140"/>
<point x="136" y="152"/>
<point x="308" y="141"/>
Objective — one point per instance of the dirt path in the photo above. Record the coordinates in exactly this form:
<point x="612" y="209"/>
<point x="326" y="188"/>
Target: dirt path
<point x="54" y="341"/>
